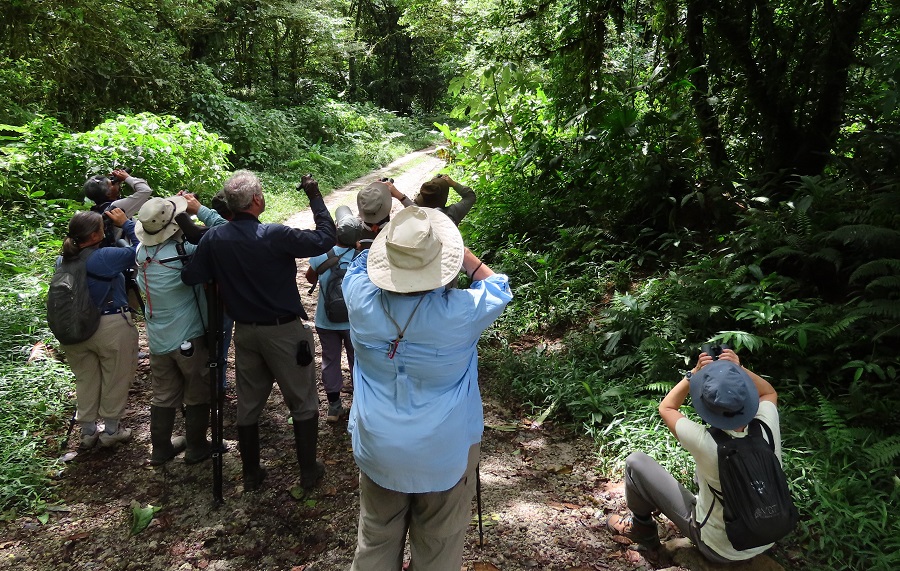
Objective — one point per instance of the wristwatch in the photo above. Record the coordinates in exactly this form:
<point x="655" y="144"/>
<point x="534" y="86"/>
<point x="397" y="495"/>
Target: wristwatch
<point x="688" y="375"/>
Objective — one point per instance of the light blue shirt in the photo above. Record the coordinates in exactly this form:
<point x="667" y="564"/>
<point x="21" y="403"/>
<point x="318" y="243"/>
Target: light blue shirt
<point x="346" y="255"/>
<point x="415" y="416"/>
<point x="174" y="312"/>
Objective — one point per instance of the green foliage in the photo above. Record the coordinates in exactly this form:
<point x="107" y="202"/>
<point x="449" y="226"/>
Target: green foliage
<point x="170" y="154"/>
<point x="34" y="398"/>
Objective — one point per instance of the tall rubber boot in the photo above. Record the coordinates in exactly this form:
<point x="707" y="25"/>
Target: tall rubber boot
<point x="306" y="436"/>
<point x="164" y="447"/>
<point x="196" y="422"/>
<point x="254" y="474"/>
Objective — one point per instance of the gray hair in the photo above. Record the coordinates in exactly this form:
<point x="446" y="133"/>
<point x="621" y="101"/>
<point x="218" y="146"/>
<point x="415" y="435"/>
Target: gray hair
<point x="240" y="189"/>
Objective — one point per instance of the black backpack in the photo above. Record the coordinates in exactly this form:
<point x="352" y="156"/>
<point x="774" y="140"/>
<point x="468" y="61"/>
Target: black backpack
<point x="755" y="498"/>
<point x="71" y="314"/>
<point x="335" y="306"/>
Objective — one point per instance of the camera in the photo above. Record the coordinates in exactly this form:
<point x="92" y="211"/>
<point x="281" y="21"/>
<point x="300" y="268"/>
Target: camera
<point x="113" y="179"/>
<point x="714" y="350"/>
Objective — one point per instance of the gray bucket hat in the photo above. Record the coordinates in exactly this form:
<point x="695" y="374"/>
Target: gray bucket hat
<point x="724" y="395"/>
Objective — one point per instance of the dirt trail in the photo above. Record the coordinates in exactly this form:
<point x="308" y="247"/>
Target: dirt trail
<point x="540" y="492"/>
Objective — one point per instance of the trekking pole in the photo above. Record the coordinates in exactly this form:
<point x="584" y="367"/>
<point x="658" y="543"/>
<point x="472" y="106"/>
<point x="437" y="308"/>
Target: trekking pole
<point x="65" y="443"/>
<point x="214" y="339"/>
<point x="478" y="503"/>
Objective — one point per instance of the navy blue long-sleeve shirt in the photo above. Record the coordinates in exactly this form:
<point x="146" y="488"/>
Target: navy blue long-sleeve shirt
<point x="255" y="266"/>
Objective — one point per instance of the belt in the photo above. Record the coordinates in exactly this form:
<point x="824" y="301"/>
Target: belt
<point x="277" y="321"/>
<point x="115" y="311"/>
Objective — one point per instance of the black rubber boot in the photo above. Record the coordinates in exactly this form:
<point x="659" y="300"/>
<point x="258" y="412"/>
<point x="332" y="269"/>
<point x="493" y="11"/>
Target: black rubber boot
<point x="306" y="436"/>
<point x="254" y="474"/>
<point x="196" y="422"/>
<point x="164" y="447"/>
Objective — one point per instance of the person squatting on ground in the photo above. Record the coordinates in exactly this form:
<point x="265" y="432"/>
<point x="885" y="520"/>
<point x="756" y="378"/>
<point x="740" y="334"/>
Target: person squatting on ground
<point x="175" y="313"/>
<point x="254" y="267"/>
<point x="417" y="420"/>
<point x="728" y="397"/>
<point x="333" y="335"/>
<point x="104" y="364"/>
<point x="106" y="193"/>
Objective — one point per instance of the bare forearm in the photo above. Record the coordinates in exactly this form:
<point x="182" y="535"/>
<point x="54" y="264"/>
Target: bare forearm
<point x="764" y="387"/>
<point x="475" y="268"/>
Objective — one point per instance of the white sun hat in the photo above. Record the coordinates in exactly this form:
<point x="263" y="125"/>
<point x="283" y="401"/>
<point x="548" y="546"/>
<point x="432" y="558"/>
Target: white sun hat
<point x="156" y="219"/>
<point x="420" y="249"/>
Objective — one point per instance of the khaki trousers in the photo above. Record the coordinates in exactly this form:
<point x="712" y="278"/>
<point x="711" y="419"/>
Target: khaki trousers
<point x="104" y="367"/>
<point x="436" y="523"/>
<point x="264" y="355"/>
<point x="178" y="380"/>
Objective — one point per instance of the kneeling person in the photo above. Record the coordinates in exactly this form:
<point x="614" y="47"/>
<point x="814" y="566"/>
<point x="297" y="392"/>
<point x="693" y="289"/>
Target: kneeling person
<point x="175" y="314"/>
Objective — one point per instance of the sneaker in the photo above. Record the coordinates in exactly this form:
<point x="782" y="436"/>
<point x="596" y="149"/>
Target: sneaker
<point x="88" y="441"/>
<point x="636" y="531"/>
<point x="336" y="411"/>
<point x="119" y="436"/>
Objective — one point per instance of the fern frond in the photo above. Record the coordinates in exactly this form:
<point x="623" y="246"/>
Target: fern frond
<point x="865" y="235"/>
<point x="662" y="387"/>
<point x="884" y="452"/>
<point x="891" y="283"/>
<point x="885" y="308"/>
<point x="829" y="415"/>
<point x="881" y="267"/>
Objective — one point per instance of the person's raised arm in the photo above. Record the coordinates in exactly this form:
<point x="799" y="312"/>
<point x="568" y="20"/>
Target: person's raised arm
<point x="669" y="408"/>
<point x="475" y="268"/>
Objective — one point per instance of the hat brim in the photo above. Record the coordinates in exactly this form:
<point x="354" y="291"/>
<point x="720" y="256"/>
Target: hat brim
<point x="714" y="418"/>
<point x="170" y="230"/>
<point x="441" y="271"/>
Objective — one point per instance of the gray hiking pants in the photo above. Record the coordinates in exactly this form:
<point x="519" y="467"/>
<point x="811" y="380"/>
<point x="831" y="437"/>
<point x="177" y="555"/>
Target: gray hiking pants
<point x="648" y="487"/>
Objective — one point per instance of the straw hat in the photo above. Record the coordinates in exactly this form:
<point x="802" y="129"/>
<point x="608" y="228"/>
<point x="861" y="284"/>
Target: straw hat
<point x="420" y="249"/>
<point x="156" y="219"/>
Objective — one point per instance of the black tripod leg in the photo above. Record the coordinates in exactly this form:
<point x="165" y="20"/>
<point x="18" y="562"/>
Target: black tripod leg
<point x="214" y="339"/>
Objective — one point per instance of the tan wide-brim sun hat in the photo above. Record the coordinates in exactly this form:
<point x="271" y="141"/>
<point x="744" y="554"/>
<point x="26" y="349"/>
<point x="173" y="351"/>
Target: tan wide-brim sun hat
<point x="156" y="219"/>
<point x="420" y="249"/>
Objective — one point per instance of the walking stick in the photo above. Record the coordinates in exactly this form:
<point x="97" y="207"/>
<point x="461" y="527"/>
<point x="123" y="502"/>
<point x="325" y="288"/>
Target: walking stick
<point x="478" y="503"/>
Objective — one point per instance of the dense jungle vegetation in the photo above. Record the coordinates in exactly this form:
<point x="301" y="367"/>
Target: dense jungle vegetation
<point x="651" y="174"/>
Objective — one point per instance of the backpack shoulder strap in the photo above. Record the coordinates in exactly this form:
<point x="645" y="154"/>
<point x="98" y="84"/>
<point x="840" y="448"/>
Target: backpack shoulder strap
<point x="721" y="438"/>
<point x="333" y="260"/>
<point x="757" y="428"/>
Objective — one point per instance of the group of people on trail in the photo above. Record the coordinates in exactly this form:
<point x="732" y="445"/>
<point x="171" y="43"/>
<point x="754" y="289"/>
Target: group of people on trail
<point x="410" y="336"/>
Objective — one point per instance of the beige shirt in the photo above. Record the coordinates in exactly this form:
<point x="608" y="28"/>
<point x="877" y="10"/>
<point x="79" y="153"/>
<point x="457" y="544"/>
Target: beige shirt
<point x="702" y="446"/>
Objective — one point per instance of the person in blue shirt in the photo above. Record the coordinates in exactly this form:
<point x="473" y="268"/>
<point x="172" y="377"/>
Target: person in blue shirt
<point x="334" y="335"/>
<point x="417" y="420"/>
<point x="175" y="316"/>
<point x="103" y="365"/>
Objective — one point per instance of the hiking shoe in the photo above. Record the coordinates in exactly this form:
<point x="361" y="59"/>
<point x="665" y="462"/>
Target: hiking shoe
<point x="119" y="436"/>
<point x="336" y="411"/>
<point x="638" y="532"/>
<point x="88" y="441"/>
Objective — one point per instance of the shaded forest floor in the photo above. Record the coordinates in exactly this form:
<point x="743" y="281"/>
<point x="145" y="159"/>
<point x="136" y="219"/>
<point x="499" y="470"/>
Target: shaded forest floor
<point x="542" y="500"/>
